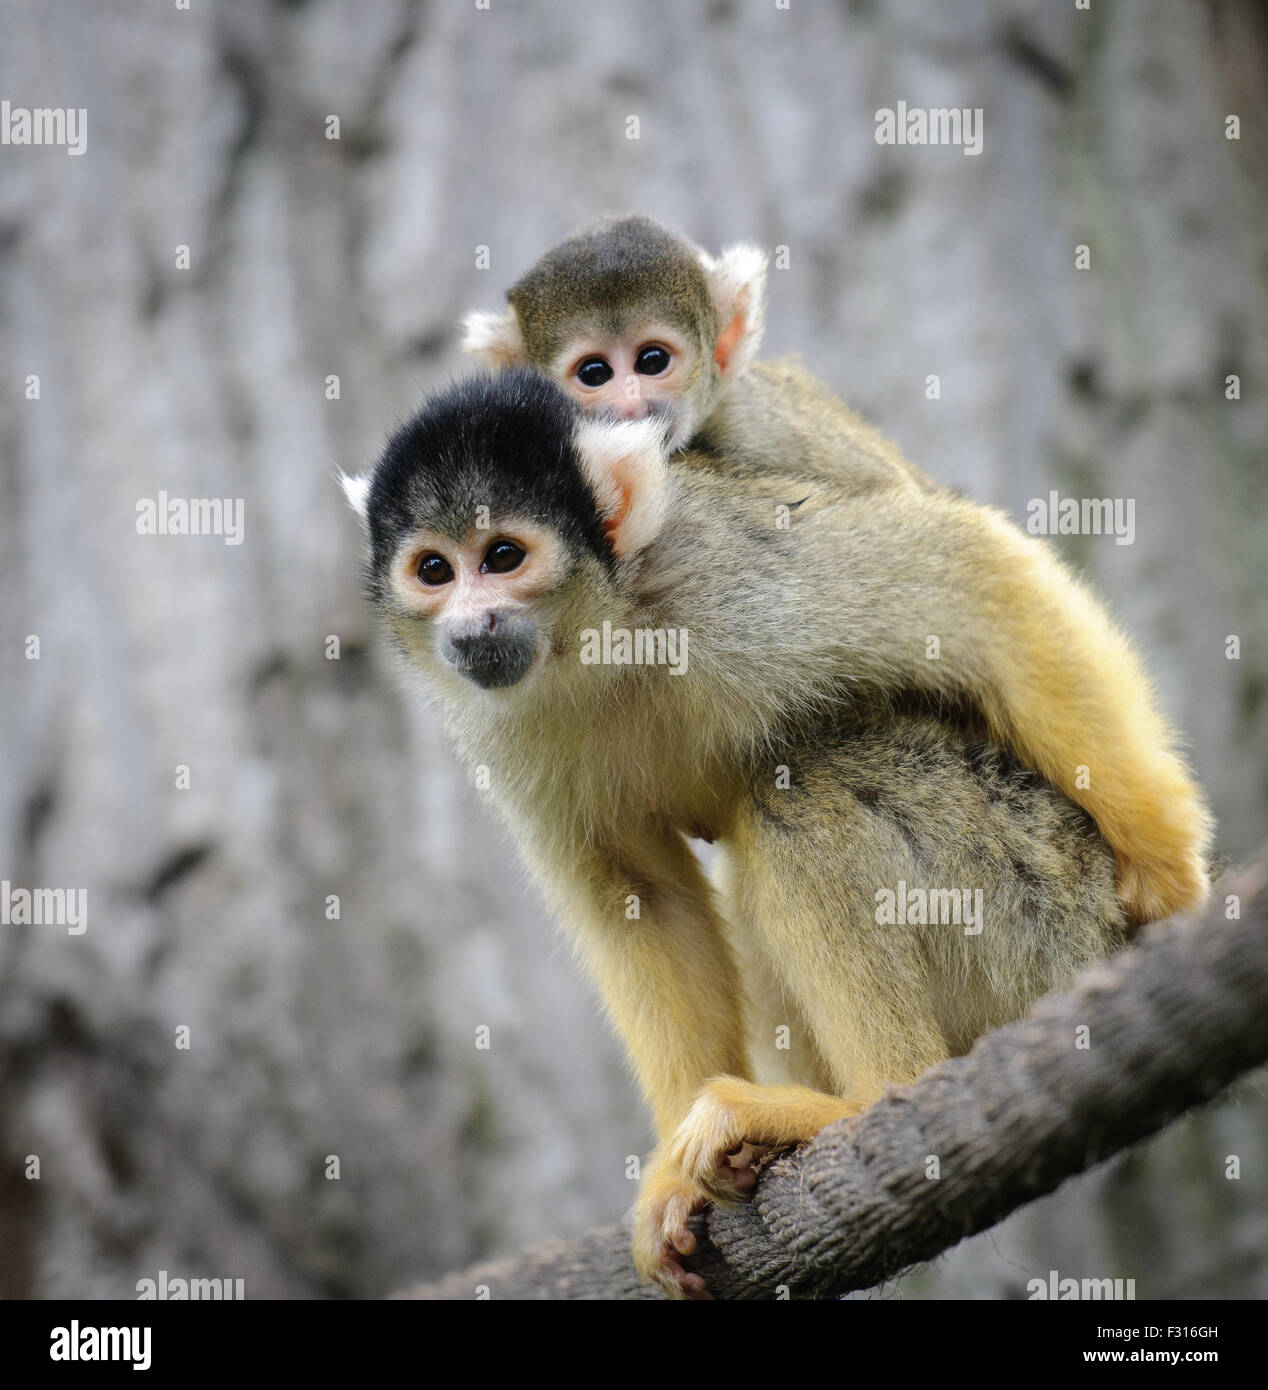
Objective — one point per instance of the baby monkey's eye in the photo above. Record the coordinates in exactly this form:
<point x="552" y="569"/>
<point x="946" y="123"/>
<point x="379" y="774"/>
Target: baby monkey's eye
<point x="651" y="361"/>
<point x="594" y="371"/>
<point x="501" y="557"/>
<point x="434" y="569"/>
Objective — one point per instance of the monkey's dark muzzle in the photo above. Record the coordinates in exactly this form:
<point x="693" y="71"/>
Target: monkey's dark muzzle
<point x="492" y="659"/>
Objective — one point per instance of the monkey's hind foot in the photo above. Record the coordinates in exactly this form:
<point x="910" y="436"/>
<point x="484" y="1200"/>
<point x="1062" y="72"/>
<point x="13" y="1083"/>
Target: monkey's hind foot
<point x="732" y="1127"/>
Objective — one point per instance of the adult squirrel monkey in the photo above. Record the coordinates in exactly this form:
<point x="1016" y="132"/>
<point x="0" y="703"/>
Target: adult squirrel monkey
<point x="632" y="321"/>
<point x="636" y="653"/>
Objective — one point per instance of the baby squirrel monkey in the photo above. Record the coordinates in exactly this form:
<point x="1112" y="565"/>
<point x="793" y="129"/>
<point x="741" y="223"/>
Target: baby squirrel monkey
<point x="506" y="531"/>
<point x="632" y="320"/>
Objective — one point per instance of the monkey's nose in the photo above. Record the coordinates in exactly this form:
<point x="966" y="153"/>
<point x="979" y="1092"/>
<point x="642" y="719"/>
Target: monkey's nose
<point x="477" y="632"/>
<point x="478" y="629"/>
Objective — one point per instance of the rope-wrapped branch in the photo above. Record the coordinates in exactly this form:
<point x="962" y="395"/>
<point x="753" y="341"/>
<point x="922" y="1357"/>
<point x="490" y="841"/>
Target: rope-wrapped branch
<point x="1135" y="1043"/>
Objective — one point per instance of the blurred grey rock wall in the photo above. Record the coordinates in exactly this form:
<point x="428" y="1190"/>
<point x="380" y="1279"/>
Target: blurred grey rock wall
<point x="310" y="1036"/>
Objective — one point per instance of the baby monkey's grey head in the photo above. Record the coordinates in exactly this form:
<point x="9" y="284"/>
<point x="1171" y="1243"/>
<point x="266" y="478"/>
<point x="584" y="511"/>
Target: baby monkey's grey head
<point x="500" y="522"/>
<point x="632" y="320"/>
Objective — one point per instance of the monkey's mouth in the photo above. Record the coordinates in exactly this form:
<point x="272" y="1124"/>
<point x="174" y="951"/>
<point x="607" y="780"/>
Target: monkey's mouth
<point x="494" y="665"/>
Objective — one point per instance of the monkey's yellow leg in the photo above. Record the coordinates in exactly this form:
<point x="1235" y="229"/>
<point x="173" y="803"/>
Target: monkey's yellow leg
<point x="692" y="1167"/>
<point x="1074" y="701"/>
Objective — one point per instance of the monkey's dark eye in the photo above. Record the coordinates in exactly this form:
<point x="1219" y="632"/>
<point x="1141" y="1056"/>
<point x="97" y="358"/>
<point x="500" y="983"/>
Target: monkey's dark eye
<point x="501" y="558"/>
<point x="651" y="361"/>
<point x="594" y="371"/>
<point x="434" y="569"/>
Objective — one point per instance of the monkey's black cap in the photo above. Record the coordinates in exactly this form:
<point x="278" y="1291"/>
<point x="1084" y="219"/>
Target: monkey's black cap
<point x="504" y="443"/>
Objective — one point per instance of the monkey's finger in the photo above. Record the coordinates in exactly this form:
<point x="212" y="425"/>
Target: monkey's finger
<point x="677" y="1282"/>
<point x="744" y="1179"/>
<point x="688" y="1285"/>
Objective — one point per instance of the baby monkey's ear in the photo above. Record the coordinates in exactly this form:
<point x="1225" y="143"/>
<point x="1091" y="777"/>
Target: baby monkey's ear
<point x="737" y="284"/>
<point x="357" y="491"/>
<point x="493" y="339"/>
<point x="624" y="463"/>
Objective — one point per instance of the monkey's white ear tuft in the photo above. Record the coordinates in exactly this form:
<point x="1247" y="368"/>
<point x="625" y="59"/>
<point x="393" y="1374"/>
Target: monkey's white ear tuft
<point x="493" y="338"/>
<point x="357" y="491"/>
<point x="624" y="463"/>
<point x="737" y="282"/>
